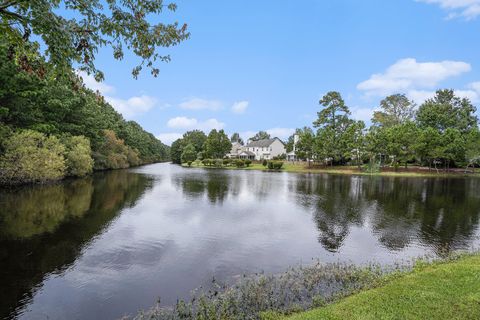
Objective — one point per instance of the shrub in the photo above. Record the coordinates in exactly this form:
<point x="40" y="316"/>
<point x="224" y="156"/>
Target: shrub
<point x="275" y="165"/>
<point x="248" y="162"/>
<point x="31" y="156"/>
<point x="239" y="163"/>
<point x="189" y="163"/>
<point x="112" y="152"/>
<point x="264" y="162"/>
<point x="133" y="157"/>
<point x="78" y="156"/>
<point x="278" y="165"/>
<point x="226" y="162"/>
<point x="205" y="162"/>
<point x="218" y="163"/>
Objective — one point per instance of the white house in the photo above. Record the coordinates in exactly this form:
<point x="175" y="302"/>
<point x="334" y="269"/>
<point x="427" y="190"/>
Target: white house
<point x="263" y="149"/>
<point x="236" y="150"/>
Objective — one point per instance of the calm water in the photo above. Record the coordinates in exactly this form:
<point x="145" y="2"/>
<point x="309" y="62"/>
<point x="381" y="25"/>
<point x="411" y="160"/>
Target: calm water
<point x="111" y="244"/>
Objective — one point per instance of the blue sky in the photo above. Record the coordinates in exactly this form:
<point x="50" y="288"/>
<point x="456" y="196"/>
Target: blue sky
<point x="263" y="65"/>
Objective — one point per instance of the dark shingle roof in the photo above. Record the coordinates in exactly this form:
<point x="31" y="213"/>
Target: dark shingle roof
<point x="262" y="143"/>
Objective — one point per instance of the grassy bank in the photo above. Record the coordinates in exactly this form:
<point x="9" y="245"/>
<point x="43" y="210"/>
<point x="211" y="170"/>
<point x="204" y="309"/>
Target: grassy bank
<point x="298" y="167"/>
<point x="443" y="289"/>
<point x="446" y="290"/>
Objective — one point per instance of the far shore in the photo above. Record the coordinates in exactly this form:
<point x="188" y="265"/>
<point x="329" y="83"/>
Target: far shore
<point x="302" y="167"/>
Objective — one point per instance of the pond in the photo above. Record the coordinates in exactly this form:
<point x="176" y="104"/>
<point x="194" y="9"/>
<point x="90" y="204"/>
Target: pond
<point x="113" y="243"/>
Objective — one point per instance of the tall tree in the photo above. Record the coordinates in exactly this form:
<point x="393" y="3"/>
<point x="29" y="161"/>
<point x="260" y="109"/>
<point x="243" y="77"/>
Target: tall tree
<point x="189" y="154"/>
<point x="332" y="123"/>
<point x="176" y="151"/>
<point x="195" y="137"/>
<point x="217" y="144"/>
<point x="236" y="138"/>
<point x="355" y="141"/>
<point x="260" y="135"/>
<point x="446" y="110"/>
<point x="395" y="109"/>
<point x="74" y="30"/>
<point x="305" y="145"/>
<point x="400" y="141"/>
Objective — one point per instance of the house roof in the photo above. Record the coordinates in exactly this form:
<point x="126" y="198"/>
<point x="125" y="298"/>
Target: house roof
<point x="263" y="143"/>
<point x="248" y="153"/>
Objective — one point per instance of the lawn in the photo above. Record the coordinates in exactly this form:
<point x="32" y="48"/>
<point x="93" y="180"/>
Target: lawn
<point x="449" y="290"/>
<point x="351" y="170"/>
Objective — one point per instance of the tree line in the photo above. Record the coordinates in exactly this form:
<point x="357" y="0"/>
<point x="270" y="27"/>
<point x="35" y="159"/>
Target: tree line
<point x="440" y="133"/>
<point x="52" y="126"/>
<point x="196" y="145"/>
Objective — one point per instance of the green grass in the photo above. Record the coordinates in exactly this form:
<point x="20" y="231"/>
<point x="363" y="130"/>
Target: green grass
<point x="349" y="170"/>
<point x="448" y="290"/>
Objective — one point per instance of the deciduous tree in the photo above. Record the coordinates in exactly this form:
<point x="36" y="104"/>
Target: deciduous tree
<point x="74" y="30"/>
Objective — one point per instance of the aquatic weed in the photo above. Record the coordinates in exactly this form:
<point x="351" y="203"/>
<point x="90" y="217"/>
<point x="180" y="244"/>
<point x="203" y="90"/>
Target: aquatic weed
<point x="296" y="289"/>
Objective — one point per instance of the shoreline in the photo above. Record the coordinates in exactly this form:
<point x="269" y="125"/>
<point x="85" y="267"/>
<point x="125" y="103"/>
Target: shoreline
<point x="67" y="178"/>
<point x="341" y="170"/>
<point x="416" y="294"/>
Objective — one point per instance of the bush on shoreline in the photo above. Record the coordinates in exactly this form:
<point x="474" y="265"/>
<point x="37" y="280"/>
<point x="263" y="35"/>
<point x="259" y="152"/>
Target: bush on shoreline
<point x="262" y="297"/>
<point x="274" y="165"/>
<point x="296" y="289"/>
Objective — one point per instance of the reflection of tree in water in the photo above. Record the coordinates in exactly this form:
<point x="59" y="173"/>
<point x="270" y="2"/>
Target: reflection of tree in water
<point x="337" y="203"/>
<point x="392" y="210"/>
<point x="262" y="184"/>
<point x="35" y="210"/>
<point x="441" y="213"/>
<point x="449" y="214"/>
<point x="45" y="227"/>
<point x="215" y="184"/>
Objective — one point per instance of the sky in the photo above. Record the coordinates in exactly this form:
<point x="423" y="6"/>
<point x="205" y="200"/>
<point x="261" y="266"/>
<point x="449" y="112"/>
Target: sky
<point x="263" y="65"/>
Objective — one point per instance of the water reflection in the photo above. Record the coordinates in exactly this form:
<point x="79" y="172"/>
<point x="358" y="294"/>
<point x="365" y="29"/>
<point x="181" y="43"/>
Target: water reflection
<point x="110" y="244"/>
<point x="441" y="213"/>
<point x="43" y="229"/>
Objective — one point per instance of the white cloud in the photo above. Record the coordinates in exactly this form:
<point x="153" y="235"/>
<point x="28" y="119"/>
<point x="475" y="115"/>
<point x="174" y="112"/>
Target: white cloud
<point x="472" y="93"/>
<point x="182" y="122"/>
<point x="408" y="74"/>
<point x="201" y="104"/>
<point x="192" y="123"/>
<point x="240" y="107"/>
<point x="247" y="135"/>
<point x="282" y="133"/>
<point x="419" y="96"/>
<point x="475" y="86"/>
<point x="468" y="9"/>
<point x="169" y="137"/>
<point x="132" y="106"/>
<point x="363" y="114"/>
<point x="91" y="83"/>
